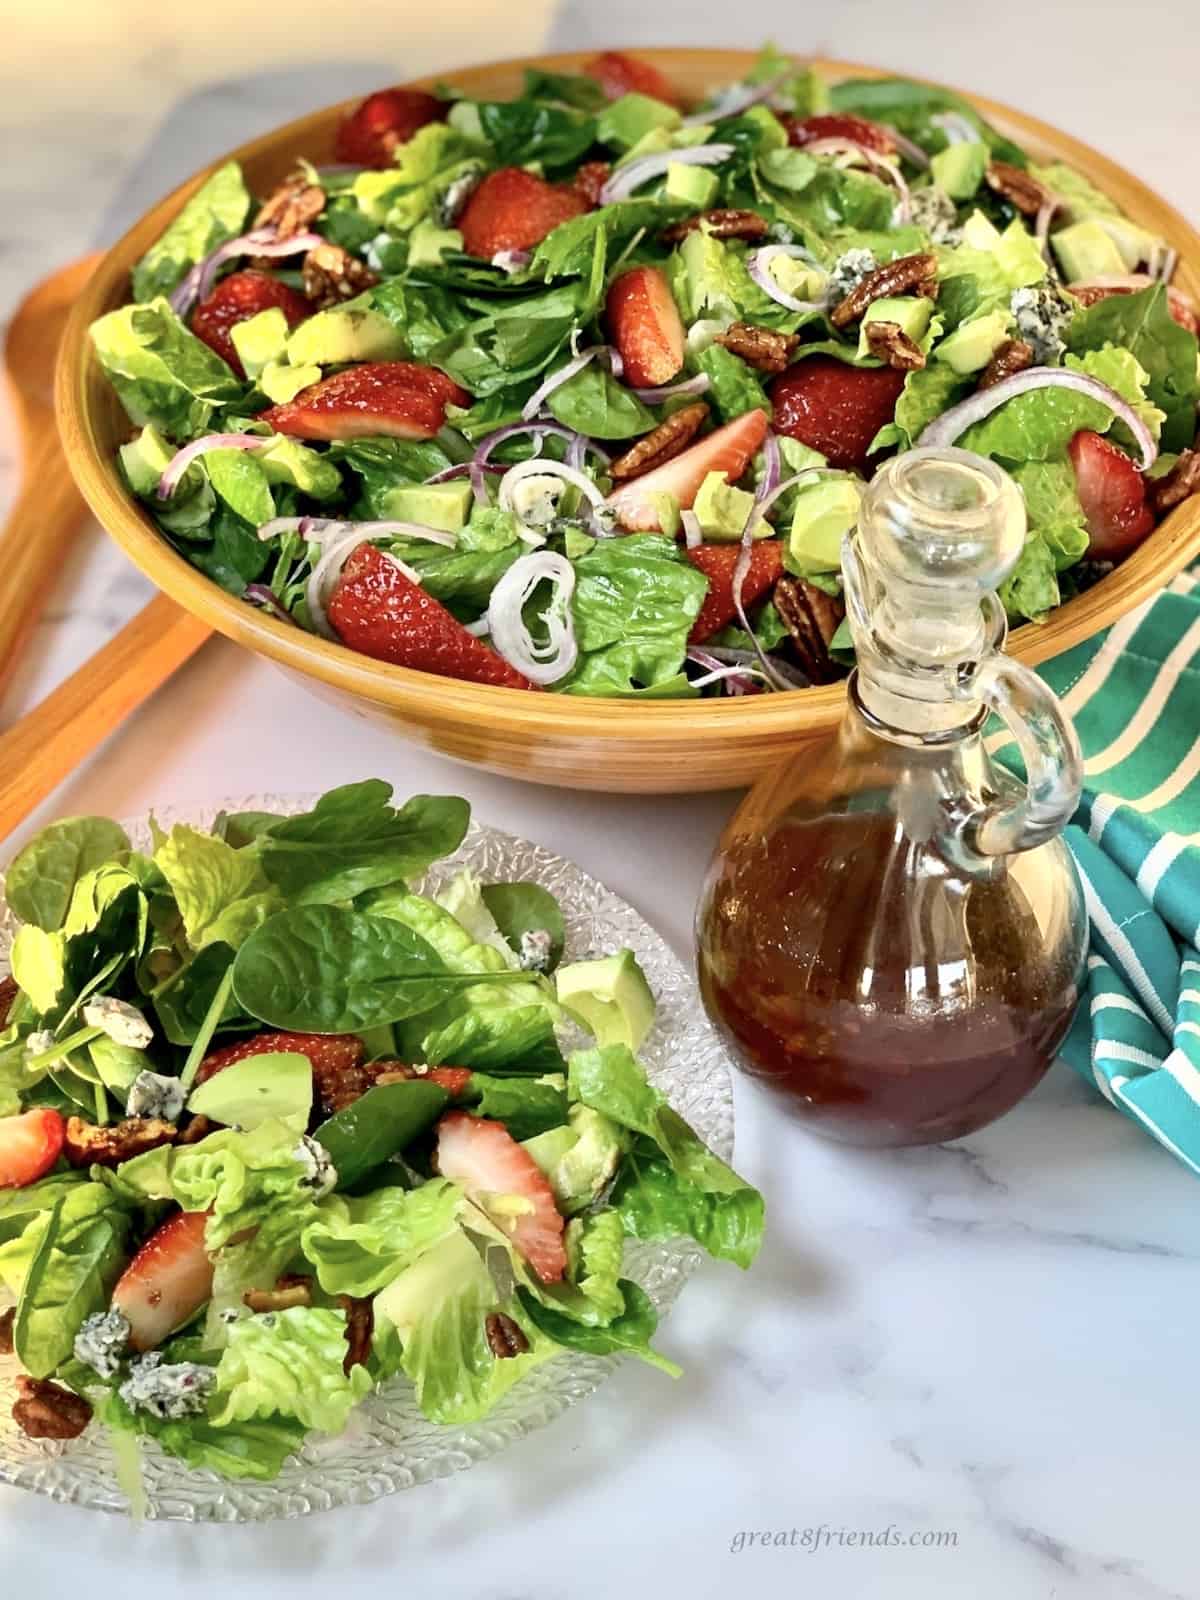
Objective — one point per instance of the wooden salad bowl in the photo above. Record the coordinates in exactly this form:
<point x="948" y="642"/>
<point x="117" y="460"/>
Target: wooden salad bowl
<point x="566" y="740"/>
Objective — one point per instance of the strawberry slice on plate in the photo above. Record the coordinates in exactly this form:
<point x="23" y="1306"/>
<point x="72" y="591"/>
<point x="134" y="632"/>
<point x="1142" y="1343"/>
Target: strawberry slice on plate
<point x="30" y="1144"/>
<point x="1112" y="493"/>
<point x="398" y="398"/>
<point x="369" y="135"/>
<point x="840" y="125"/>
<point x="646" y="327"/>
<point x="235" y="299"/>
<point x="620" y="74"/>
<point x="716" y="562"/>
<point x="835" y="408"/>
<point x="728" y="450"/>
<point x="329" y="1053"/>
<point x="491" y="1166"/>
<point x="379" y="611"/>
<point x="514" y="210"/>
<point x="168" y="1280"/>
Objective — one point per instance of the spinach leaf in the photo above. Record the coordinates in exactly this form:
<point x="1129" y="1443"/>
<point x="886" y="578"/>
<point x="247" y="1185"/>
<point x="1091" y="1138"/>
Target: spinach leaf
<point x="628" y="1334"/>
<point x="643" y="669"/>
<point x="43" y="876"/>
<point x="381" y="465"/>
<point x="511" y="342"/>
<point x="519" y="908"/>
<point x="570" y="88"/>
<point x="521" y="131"/>
<point x="1142" y="323"/>
<point x="526" y="1106"/>
<point x="594" y="403"/>
<point x="241" y="482"/>
<point x="234" y="555"/>
<point x="424" y="314"/>
<point x="215" y="213"/>
<point x="184" y="1003"/>
<point x="568" y="251"/>
<point x="378" y="1124"/>
<point x="70" y="1277"/>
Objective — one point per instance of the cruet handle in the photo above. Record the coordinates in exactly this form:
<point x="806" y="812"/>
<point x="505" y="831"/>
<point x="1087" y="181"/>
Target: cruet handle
<point x="1049" y="747"/>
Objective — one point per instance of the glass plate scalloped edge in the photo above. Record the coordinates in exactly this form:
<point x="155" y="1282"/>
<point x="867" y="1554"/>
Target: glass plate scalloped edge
<point x="389" y="1445"/>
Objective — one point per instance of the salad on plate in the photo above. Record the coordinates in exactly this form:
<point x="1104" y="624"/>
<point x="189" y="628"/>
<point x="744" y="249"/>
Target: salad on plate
<point x="578" y="392"/>
<point x="277" y="1128"/>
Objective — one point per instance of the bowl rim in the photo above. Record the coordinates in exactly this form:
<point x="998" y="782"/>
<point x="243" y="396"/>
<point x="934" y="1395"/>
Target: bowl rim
<point x="422" y="694"/>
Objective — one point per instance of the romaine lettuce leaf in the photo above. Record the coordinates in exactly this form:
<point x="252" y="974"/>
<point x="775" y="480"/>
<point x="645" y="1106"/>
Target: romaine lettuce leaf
<point x="1040" y="424"/>
<point x="628" y="1334"/>
<point x="356" y="1246"/>
<point x="1031" y="588"/>
<point x="735" y="387"/>
<point x="594" y="403"/>
<point x="162" y="373"/>
<point x="215" y="213"/>
<point x="526" y="1106"/>
<point x="288" y="1364"/>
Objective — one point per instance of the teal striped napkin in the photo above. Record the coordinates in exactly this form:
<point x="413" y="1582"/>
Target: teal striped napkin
<point x="1134" y="696"/>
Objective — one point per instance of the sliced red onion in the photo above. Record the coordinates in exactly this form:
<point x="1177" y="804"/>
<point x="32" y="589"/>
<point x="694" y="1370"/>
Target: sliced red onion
<point x="579" y="448"/>
<point x="578" y="445"/>
<point x="911" y="152"/>
<point x="809" y="475"/>
<point x="550" y="469"/>
<point x="741" y="568"/>
<point x="957" y="128"/>
<point x="259" y="242"/>
<point x="626" y="179"/>
<point x="700" y="384"/>
<point x="877" y="164"/>
<point x="320" y="530"/>
<point x="511" y="261"/>
<point x="260" y="595"/>
<point x="329" y="569"/>
<point x="462" y="469"/>
<point x="758" y="264"/>
<point x="693" y="533"/>
<point x="739" y="99"/>
<point x="556" y="379"/>
<point x="792" y="676"/>
<point x="1050" y="206"/>
<point x="952" y="424"/>
<point x="540" y="663"/>
<point x="772" y="465"/>
<point x="182" y="459"/>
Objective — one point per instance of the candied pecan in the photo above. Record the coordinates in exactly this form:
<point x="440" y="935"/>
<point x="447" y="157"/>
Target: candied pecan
<point x="198" y="1128"/>
<point x="761" y="348"/>
<point x="1013" y="356"/>
<point x="505" y="1337"/>
<point x="1178" y="485"/>
<point x="360" y="1325"/>
<point x="293" y="207"/>
<point x="8" y="993"/>
<point x="722" y="224"/>
<point x="7" y="1318"/>
<point x="667" y="440"/>
<point x="811" y="617"/>
<point x="589" y="180"/>
<point x="1019" y="188"/>
<point x="892" y="345"/>
<point x="292" y="1289"/>
<point x="86" y="1143"/>
<point x="916" y="274"/>
<point x="46" y="1410"/>
<point x="331" y="274"/>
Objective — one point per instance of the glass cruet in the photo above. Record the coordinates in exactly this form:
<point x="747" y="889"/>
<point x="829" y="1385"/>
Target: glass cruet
<point x="892" y="932"/>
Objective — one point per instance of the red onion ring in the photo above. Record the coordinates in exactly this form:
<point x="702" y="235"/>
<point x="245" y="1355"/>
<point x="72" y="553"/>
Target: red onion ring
<point x="626" y="179"/>
<point x="462" y="469"/>
<point x="911" y="152"/>
<point x="877" y="164"/>
<point x="564" y="374"/>
<point x="693" y="533"/>
<point x="260" y="595"/>
<point x="182" y="459"/>
<point x="1050" y="206"/>
<point x="511" y="261"/>
<point x="320" y="530"/>
<point x="259" y="242"/>
<point x="758" y="264"/>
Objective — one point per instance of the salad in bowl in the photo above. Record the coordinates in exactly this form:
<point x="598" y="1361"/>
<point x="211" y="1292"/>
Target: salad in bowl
<point x="577" y="392"/>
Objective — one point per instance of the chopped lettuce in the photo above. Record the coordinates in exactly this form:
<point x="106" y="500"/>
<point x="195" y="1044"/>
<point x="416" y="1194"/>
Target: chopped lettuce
<point x="214" y="214"/>
<point x="161" y="372"/>
<point x="290" y="1364"/>
<point x="357" y="1246"/>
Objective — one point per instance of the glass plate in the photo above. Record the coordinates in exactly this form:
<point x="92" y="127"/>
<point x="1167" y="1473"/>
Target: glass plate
<point x="389" y="1445"/>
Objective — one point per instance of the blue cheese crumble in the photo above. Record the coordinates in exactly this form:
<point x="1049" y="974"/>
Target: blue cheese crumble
<point x="935" y="213"/>
<point x="153" y="1094"/>
<point x="320" y="1174"/>
<point x="38" y="1042"/>
<point x="1041" y="315"/>
<point x="124" y="1024"/>
<point x="102" y="1341"/>
<point x="535" y="950"/>
<point x="848" y="272"/>
<point x="168" y="1389"/>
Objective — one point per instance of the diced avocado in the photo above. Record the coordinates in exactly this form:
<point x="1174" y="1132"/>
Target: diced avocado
<point x="260" y="340"/>
<point x="463" y="117"/>
<point x="979" y="233"/>
<point x="352" y="332"/>
<point x="973" y="344"/>
<point x="145" y="459"/>
<point x="801" y="279"/>
<point x="375" y="192"/>
<point x="1138" y="246"/>
<point x="910" y="312"/>
<point x="576" y="543"/>
<point x="610" y="996"/>
<point x="579" y="1159"/>
<point x="723" y="510"/>
<point x="427" y="243"/>
<point x="959" y="169"/>
<point x="694" y="186"/>
<point x="437" y="505"/>
<point x="1020" y="256"/>
<point x="788" y="168"/>
<point x="824" y="513"/>
<point x="281" y="382"/>
<point x="632" y="117"/>
<point x="1085" y="250"/>
<point x="771" y="134"/>
<point x="257" y="1090"/>
<point x="1083" y="198"/>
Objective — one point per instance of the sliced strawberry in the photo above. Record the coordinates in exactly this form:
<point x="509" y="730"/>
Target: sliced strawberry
<point x="728" y="450"/>
<point x="514" y="210"/>
<point x="835" y="408"/>
<point x="1182" y="309"/>
<point x="329" y="1053"/>
<point x="378" y="610"/>
<point x="168" y="1280"/>
<point x="716" y="562"/>
<point x="646" y="327"/>
<point x="236" y="298"/>
<point x="491" y="1166"/>
<point x="589" y="181"/>
<point x="30" y="1144"/>
<point x="840" y="125"/>
<point x="1112" y="493"/>
<point x="397" y="398"/>
<point x="369" y="135"/>
<point x="619" y="74"/>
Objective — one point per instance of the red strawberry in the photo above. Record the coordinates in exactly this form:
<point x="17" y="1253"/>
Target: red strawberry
<point x="840" y="125"/>
<point x="329" y="1053"/>
<point x="369" y="135"/>
<point x="489" y="1163"/>
<point x="1182" y="309"/>
<point x="168" y="1280"/>
<point x="398" y="398"/>
<point x="514" y="210"/>
<point x="30" y="1144"/>
<point x="1113" y="494"/>
<point x="728" y="450"/>
<point x="589" y="180"/>
<point x="455" y="1080"/>
<point x="835" y="408"/>
<point x="619" y="74"/>
<point x="378" y="610"/>
<point x="237" y="297"/>
<point x="716" y="562"/>
<point x="646" y="327"/>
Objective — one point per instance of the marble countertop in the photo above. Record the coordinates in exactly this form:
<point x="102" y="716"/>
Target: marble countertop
<point x="986" y="1347"/>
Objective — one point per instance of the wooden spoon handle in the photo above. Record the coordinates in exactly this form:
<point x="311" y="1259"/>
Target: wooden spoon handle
<point x="38" y="752"/>
<point x="33" y="543"/>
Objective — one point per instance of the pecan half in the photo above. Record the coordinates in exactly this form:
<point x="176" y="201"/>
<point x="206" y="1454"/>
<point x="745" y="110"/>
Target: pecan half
<point x="360" y="1325"/>
<point x="1178" y="485"/>
<point x="1013" y="356"/>
<point x="46" y="1410"/>
<point x="891" y="344"/>
<point x="762" y="348"/>
<point x="332" y="274"/>
<point x="198" y="1128"/>
<point x="505" y="1337"/>
<point x="291" y="208"/>
<point x="722" y="224"/>
<point x="667" y="440"/>
<point x="292" y="1289"/>
<point x="1019" y="188"/>
<point x="811" y="617"/>
<point x="7" y="1318"/>
<point x="8" y="993"/>
<point x="915" y="274"/>
<point x="86" y="1144"/>
<point x="589" y="180"/>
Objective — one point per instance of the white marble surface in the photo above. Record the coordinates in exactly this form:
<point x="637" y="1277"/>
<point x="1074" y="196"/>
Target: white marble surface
<point x="993" y="1339"/>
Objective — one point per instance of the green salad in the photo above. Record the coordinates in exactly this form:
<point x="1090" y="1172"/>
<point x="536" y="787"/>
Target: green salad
<point x="276" y="1128"/>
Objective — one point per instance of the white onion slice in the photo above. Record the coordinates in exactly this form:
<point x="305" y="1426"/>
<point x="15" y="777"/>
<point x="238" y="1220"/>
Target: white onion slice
<point x="540" y="663"/>
<point x="953" y="423"/>
<point x="698" y="385"/>
<point x="758" y="264"/>
<point x="182" y="459"/>
<point x="957" y="128"/>
<point x="320" y="530"/>
<point x="1050" y="206"/>
<point x="626" y="179"/>
<point x="328" y="570"/>
<point x="693" y="533"/>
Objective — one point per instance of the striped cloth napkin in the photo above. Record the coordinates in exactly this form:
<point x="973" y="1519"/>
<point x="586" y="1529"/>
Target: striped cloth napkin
<point x="1134" y="696"/>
